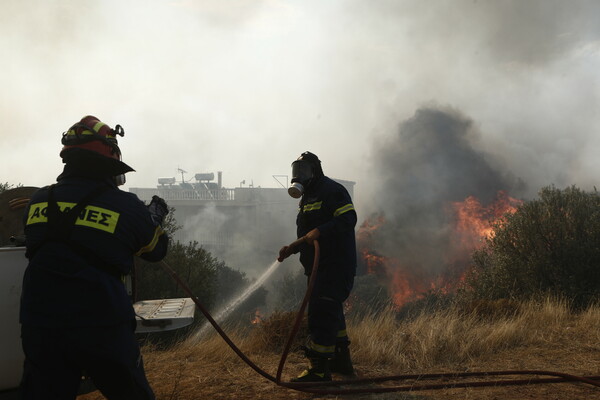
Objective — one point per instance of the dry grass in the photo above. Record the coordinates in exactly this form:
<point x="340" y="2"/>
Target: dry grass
<point x="454" y="337"/>
<point x="537" y="335"/>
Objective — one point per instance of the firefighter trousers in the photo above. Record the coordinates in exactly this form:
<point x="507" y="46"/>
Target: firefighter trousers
<point x="57" y="358"/>
<point x="326" y="320"/>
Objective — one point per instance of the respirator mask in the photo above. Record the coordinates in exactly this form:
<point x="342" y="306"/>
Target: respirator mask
<point x="302" y="173"/>
<point x="119" y="179"/>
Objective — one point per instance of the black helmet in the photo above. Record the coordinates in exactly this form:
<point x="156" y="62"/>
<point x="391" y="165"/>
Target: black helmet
<point x="314" y="161"/>
<point x="305" y="171"/>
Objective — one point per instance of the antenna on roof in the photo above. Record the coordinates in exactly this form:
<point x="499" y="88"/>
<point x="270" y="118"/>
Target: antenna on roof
<point x="281" y="176"/>
<point x="182" y="172"/>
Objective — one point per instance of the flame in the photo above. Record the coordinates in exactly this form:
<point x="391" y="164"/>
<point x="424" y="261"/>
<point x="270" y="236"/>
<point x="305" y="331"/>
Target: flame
<point x="404" y="285"/>
<point x="257" y="317"/>
<point x="472" y="224"/>
<point x="369" y="227"/>
<point x="375" y="263"/>
<point x="475" y="222"/>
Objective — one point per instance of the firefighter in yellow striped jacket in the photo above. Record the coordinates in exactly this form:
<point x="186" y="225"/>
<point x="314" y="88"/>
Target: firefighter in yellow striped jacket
<point x="82" y="234"/>
<point x="326" y="214"/>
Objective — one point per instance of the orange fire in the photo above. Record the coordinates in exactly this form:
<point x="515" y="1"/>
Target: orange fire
<point x="404" y="285"/>
<point x="473" y="223"/>
<point x="368" y="227"/>
<point x="257" y="317"/>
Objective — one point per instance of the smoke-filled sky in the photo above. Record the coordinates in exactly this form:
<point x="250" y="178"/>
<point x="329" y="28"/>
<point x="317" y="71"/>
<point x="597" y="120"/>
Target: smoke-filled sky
<point x="245" y="86"/>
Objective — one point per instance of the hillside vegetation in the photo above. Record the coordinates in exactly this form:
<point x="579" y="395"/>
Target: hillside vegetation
<point x="534" y="335"/>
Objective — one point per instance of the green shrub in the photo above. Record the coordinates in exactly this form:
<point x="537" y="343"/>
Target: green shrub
<point x="550" y="245"/>
<point x="193" y="264"/>
<point x="210" y="280"/>
<point x="5" y="186"/>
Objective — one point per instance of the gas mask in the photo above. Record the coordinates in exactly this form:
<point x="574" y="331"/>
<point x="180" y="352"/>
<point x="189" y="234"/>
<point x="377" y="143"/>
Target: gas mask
<point x="119" y="179"/>
<point x="302" y="174"/>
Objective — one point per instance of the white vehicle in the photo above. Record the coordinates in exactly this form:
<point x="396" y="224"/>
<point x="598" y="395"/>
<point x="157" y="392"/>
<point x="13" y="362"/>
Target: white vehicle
<point x="153" y="315"/>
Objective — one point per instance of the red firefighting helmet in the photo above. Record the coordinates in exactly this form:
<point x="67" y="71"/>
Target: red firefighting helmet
<point x="93" y="135"/>
<point x="91" y="146"/>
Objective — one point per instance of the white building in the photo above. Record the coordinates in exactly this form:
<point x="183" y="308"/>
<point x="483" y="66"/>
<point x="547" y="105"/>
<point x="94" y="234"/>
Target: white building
<point x="243" y="225"/>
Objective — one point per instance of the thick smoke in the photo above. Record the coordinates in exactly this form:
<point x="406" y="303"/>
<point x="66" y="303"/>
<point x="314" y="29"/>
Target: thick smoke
<point x="206" y="84"/>
<point x="247" y="233"/>
<point x="431" y="162"/>
<point x="245" y="86"/>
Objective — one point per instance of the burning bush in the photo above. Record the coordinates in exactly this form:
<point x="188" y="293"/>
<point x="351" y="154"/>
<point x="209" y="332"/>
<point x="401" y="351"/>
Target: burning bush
<point x="430" y="276"/>
<point x="549" y="245"/>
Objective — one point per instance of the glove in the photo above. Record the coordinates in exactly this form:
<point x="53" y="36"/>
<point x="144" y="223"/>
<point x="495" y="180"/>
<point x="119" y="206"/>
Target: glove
<point x="158" y="210"/>
<point x="311" y="236"/>
<point x="284" y="253"/>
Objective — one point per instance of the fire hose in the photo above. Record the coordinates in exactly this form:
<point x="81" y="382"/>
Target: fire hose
<point x="324" y="387"/>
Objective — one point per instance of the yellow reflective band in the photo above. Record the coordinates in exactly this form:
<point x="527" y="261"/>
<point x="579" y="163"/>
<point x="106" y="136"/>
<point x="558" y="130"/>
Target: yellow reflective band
<point x="150" y="246"/>
<point x="304" y="373"/>
<point x="90" y="216"/>
<point x="344" y="209"/>
<point x="85" y="132"/>
<point x="321" y="349"/>
<point x="97" y="126"/>
<point x="342" y="333"/>
<point x="313" y="206"/>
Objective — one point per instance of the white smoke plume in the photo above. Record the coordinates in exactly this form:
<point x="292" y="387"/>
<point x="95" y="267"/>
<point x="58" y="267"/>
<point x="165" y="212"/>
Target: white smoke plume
<point x="245" y="86"/>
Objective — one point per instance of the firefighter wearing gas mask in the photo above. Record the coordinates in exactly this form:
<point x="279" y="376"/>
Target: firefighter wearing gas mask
<point x="326" y="214"/>
<point x="82" y="234"/>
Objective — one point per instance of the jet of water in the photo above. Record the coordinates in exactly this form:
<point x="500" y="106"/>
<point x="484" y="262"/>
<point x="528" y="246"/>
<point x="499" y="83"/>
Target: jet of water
<point x="224" y="312"/>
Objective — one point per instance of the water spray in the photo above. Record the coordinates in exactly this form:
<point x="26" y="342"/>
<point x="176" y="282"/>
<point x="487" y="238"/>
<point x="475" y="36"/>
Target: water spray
<point x="224" y="312"/>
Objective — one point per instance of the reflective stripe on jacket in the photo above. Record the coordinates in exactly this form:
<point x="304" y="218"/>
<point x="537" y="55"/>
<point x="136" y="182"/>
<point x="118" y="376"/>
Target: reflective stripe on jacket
<point x="62" y="285"/>
<point x="327" y="206"/>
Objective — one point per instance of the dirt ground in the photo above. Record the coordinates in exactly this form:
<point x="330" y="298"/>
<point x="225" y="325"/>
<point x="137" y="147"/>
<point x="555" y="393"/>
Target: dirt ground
<point x="196" y="378"/>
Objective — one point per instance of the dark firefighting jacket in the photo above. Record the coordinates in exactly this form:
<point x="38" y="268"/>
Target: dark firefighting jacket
<point x="75" y="270"/>
<point x="326" y="205"/>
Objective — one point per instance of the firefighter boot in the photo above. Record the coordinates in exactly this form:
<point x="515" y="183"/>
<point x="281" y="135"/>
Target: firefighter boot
<point x="318" y="371"/>
<point x="341" y="362"/>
